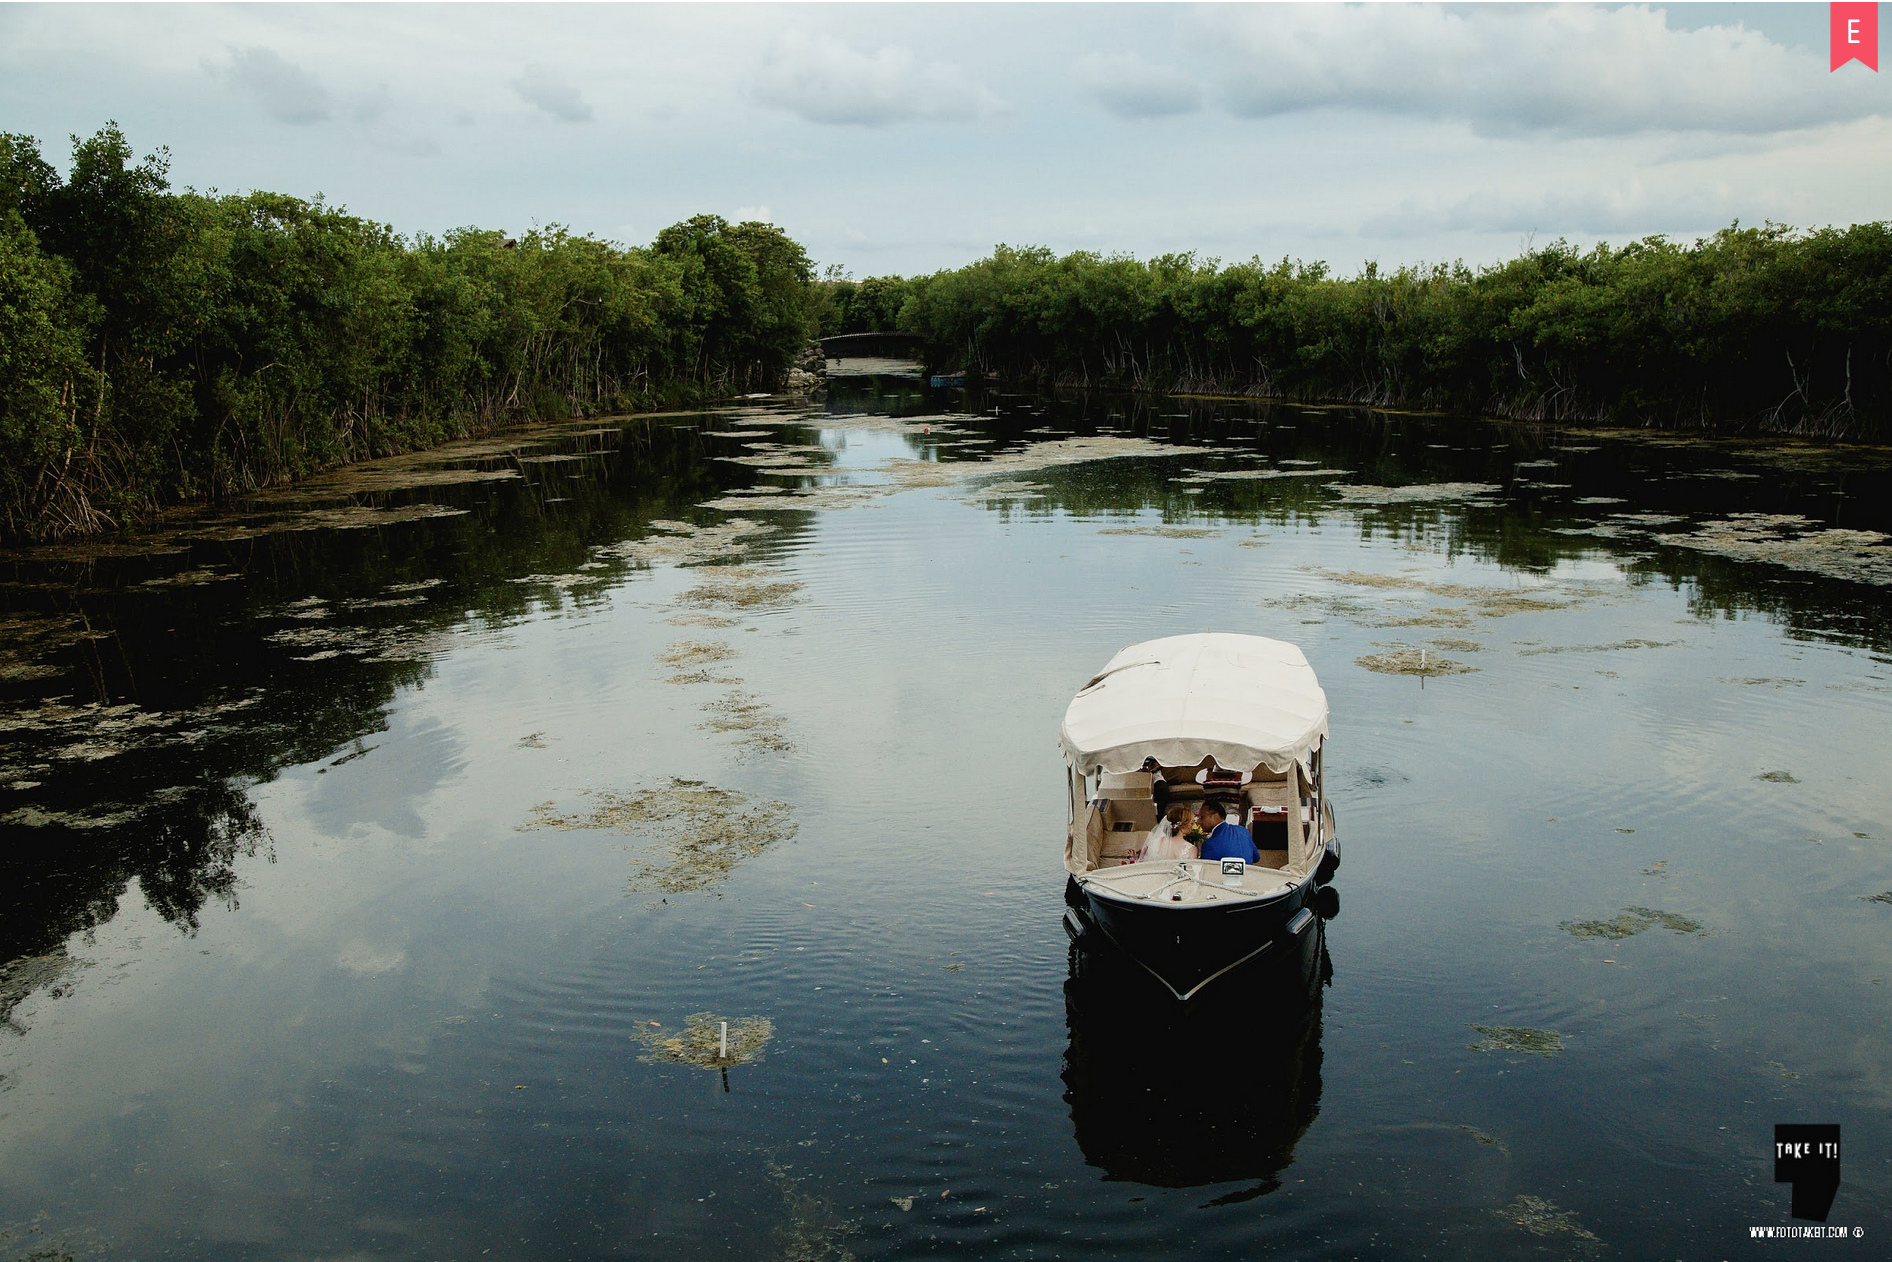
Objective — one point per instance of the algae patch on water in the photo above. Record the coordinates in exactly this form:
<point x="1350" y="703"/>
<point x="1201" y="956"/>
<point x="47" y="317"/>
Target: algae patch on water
<point x="1778" y="777"/>
<point x="1411" y="661"/>
<point x="1518" y="1038"/>
<point x="1631" y="922"/>
<point x="812" y="1230"/>
<point x="1796" y="542"/>
<point x="1426" y="493"/>
<point x="741" y="587"/>
<point x="756" y="724"/>
<point x="682" y="543"/>
<point x="1544" y="1218"/>
<point x="1598" y="648"/>
<point x="687" y="653"/>
<point x="1164" y="532"/>
<point x="1262" y="475"/>
<point x="701" y="1042"/>
<point x="694" y="834"/>
<point x="1035" y="456"/>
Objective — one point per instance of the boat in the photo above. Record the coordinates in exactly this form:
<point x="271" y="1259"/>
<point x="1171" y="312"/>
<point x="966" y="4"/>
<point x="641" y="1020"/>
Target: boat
<point x="1240" y="720"/>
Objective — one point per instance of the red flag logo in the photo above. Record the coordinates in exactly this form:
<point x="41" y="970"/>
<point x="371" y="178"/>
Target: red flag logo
<point x="1855" y="35"/>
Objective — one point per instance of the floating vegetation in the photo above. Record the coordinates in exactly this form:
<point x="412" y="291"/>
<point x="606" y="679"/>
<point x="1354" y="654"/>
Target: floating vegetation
<point x="1412" y="582"/>
<point x="96" y="815"/>
<point x="1489" y="1141"/>
<point x="1543" y="1218"/>
<point x="90" y="732"/>
<point x="190" y="578"/>
<point x="1598" y="648"/>
<point x="1006" y="489"/>
<point x="776" y="462"/>
<point x="1795" y="542"/>
<point x="681" y="543"/>
<point x="712" y="620"/>
<point x="685" y="653"/>
<point x="1411" y="661"/>
<point x="695" y="834"/>
<point x="560" y="582"/>
<point x="1431" y="618"/>
<point x="1425" y="493"/>
<point x="1518" y="1038"/>
<point x="1778" y="777"/>
<point x="1259" y="475"/>
<point x="812" y="1230"/>
<point x="532" y="740"/>
<point x="1459" y="646"/>
<point x="701" y="1042"/>
<point x="786" y="502"/>
<point x="1770" y="682"/>
<point x="25" y="639"/>
<point x="398" y="643"/>
<point x="759" y="727"/>
<point x="741" y="587"/>
<point x="1044" y="455"/>
<point x="1164" y="532"/>
<point x="1876" y="898"/>
<point x="1631" y="922"/>
<point x="1504" y="606"/>
<point x="396" y="475"/>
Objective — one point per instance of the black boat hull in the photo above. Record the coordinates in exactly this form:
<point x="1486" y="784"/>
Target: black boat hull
<point x="1143" y="1107"/>
<point x="1187" y="946"/>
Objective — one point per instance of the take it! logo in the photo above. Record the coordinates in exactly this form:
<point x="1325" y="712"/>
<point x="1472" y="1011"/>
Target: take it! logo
<point x="1854" y="29"/>
<point x="1808" y="1157"/>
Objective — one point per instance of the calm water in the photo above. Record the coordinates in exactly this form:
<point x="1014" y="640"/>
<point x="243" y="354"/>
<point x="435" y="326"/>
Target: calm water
<point x="294" y="975"/>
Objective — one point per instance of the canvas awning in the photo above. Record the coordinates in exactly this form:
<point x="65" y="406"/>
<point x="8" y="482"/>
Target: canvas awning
<point x="1244" y="700"/>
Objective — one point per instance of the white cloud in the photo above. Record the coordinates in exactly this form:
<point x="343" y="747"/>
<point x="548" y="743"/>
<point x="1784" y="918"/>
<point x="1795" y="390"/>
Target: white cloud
<point x="1564" y="69"/>
<point x="1625" y="208"/>
<point x="825" y="81"/>
<point x="287" y="92"/>
<point x="542" y="86"/>
<point x="751" y="214"/>
<point x="1130" y="87"/>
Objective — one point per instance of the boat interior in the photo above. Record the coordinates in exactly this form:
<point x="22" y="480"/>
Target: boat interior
<point x="1118" y="811"/>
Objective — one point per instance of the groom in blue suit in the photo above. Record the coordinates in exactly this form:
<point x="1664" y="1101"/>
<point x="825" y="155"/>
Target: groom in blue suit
<point x="1225" y="840"/>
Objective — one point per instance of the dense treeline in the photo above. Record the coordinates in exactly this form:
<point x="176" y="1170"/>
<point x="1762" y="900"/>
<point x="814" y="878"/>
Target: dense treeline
<point x="1761" y="326"/>
<point x="158" y="345"/>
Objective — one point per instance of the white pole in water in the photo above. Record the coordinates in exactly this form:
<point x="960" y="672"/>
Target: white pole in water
<point x="722" y="1050"/>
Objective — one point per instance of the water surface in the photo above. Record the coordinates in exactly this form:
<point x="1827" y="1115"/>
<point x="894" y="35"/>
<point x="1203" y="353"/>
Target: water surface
<point x="299" y="969"/>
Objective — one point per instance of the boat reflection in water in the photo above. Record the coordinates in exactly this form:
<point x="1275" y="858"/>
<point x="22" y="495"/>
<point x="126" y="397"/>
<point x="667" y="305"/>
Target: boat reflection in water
<point x="1216" y="1090"/>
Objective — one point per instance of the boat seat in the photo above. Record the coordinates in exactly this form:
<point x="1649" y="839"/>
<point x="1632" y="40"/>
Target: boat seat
<point x="1274" y="816"/>
<point x="1126" y="826"/>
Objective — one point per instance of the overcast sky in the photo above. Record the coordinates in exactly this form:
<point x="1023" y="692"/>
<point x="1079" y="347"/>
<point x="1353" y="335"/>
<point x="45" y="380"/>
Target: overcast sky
<point x="904" y="138"/>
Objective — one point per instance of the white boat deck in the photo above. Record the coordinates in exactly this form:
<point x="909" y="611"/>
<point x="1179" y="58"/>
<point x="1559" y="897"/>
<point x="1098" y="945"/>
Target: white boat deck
<point x="1182" y="882"/>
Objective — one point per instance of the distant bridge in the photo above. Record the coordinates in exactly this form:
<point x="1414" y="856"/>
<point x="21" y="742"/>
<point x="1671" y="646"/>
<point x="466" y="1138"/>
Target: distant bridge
<point x="874" y="346"/>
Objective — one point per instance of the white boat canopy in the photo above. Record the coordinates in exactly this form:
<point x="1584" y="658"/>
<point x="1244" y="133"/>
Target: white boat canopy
<point x="1244" y="700"/>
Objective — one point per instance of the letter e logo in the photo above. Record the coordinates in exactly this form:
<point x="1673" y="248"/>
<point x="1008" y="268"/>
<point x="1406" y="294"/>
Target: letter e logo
<point x="1854" y="35"/>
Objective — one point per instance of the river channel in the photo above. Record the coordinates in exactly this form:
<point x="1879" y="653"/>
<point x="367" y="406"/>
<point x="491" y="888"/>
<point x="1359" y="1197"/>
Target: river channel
<point x="378" y="858"/>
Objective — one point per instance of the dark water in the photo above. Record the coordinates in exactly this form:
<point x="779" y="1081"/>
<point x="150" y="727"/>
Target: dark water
<point x="292" y="976"/>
